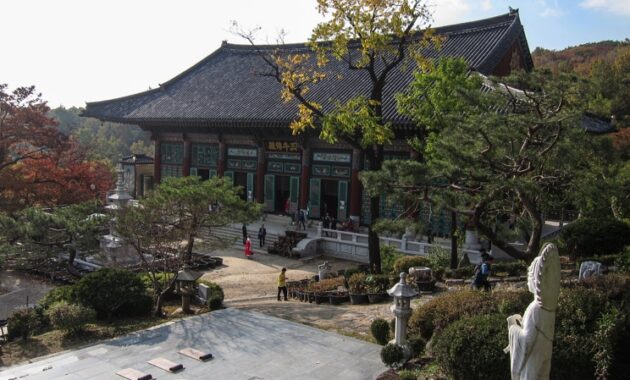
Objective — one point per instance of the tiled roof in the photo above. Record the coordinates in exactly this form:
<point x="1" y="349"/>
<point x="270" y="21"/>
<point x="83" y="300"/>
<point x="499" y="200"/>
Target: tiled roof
<point x="596" y="125"/>
<point x="136" y="159"/>
<point x="227" y="88"/>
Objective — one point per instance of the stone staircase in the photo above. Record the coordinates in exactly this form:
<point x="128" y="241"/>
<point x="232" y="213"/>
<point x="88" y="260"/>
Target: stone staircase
<point x="234" y="233"/>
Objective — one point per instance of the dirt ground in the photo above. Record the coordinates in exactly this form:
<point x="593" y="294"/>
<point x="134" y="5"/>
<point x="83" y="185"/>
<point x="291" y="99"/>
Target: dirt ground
<point x="252" y="285"/>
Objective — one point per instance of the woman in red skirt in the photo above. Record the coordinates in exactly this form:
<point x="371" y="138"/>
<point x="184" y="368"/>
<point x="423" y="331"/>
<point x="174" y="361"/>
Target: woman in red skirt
<point x="248" y="248"/>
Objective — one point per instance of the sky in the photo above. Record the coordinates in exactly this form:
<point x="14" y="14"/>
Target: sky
<point x="77" y="51"/>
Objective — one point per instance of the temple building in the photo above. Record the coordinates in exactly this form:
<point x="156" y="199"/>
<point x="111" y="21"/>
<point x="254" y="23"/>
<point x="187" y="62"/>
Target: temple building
<point x="223" y="117"/>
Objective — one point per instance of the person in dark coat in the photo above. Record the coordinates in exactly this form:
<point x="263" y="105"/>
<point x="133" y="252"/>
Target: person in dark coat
<point x="244" y="233"/>
<point x="326" y="223"/>
<point x="262" y="232"/>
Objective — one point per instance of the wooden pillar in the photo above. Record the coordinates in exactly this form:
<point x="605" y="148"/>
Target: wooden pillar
<point x="355" y="186"/>
<point x="222" y="157"/>
<point x="260" y="173"/>
<point x="305" y="176"/>
<point x="187" y="158"/>
<point x="157" y="161"/>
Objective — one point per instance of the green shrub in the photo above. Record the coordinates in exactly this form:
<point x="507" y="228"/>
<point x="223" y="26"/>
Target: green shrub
<point x="594" y="237"/>
<point x="403" y="264"/>
<point x="622" y="262"/>
<point x="215" y="289"/>
<point x="607" y="260"/>
<point x="66" y="293"/>
<point x="392" y="355"/>
<point x="162" y="277"/>
<point x="407" y="375"/>
<point x="463" y="272"/>
<point x="513" y="268"/>
<point x="389" y="256"/>
<point x="70" y="318"/>
<point x="21" y="323"/>
<point x="579" y="310"/>
<point x="378" y="283"/>
<point x="214" y="302"/>
<point x="510" y="302"/>
<point x="472" y="348"/>
<point x="112" y="293"/>
<point x="439" y="257"/>
<point x="437" y="313"/>
<point x="380" y="331"/>
<point x="416" y="344"/>
<point x="347" y="273"/>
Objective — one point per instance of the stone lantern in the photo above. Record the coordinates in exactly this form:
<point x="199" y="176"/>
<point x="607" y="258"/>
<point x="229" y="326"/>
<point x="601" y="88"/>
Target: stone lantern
<point x="120" y="198"/>
<point x="401" y="308"/>
<point x="185" y="284"/>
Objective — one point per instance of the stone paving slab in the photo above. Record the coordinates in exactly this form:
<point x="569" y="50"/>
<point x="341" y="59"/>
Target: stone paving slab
<point x="245" y="345"/>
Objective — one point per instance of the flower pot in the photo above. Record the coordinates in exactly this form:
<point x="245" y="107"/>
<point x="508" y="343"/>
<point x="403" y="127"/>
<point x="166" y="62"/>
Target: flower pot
<point x="218" y="260"/>
<point x="308" y="297"/>
<point x="425" y="286"/>
<point x="359" y="299"/>
<point x="338" y="299"/>
<point x="377" y="297"/>
<point x="320" y="298"/>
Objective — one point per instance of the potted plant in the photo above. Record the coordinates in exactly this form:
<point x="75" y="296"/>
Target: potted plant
<point x="357" y="289"/>
<point x="338" y="297"/>
<point x="377" y="288"/>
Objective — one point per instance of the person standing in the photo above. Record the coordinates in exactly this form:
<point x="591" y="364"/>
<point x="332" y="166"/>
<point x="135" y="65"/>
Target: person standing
<point x="282" y="284"/>
<point x="262" y="232"/>
<point x="326" y="224"/>
<point x="244" y="233"/>
<point x="301" y="220"/>
<point x="248" y="248"/>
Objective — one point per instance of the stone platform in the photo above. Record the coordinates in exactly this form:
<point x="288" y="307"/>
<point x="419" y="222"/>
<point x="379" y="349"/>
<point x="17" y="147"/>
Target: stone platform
<point x="245" y="345"/>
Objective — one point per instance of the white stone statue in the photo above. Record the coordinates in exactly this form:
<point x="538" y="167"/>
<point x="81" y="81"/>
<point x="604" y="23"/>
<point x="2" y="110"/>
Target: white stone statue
<point x="531" y="336"/>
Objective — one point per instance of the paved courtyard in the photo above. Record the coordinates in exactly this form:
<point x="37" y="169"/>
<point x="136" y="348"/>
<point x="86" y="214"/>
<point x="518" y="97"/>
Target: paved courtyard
<point x="245" y="345"/>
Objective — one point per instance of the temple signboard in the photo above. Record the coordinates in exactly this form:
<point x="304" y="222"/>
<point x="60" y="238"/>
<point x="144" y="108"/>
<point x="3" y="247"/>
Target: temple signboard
<point x="281" y="146"/>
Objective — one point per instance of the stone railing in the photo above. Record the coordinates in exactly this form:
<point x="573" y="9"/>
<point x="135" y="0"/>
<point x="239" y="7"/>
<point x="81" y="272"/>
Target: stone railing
<point x="354" y="246"/>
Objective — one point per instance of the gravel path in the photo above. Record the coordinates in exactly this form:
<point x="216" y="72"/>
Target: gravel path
<point x="251" y="285"/>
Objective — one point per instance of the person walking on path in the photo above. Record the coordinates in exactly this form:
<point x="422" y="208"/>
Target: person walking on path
<point x="248" y="248"/>
<point x="244" y="232"/>
<point x="262" y="232"/>
<point x="482" y="272"/>
<point x="282" y="284"/>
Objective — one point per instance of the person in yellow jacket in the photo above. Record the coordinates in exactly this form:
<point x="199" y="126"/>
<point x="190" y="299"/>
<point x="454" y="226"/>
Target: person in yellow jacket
<point x="282" y="284"/>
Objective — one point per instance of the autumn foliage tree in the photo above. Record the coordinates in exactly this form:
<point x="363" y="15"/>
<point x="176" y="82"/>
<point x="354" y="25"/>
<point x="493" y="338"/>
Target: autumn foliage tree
<point x="39" y="166"/>
<point x="371" y="37"/>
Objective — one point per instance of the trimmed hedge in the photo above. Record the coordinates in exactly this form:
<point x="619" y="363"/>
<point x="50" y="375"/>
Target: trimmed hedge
<point x="114" y="293"/>
<point x="441" y="311"/>
<point x="215" y="289"/>
<point x="215" y="302"/>
<point x="472" y="348"/>
<point x="66" y="293"/>
<point x="392" y="355"/>
<point x="70" y="318"/>
<point x="402" y="264"/>
<point x="594" y="237"/>
<point x="380" y="331"/>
